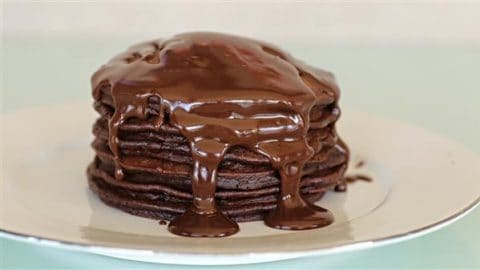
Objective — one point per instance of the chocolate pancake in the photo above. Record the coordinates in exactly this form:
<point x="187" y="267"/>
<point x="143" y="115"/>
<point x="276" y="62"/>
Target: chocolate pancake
<point x="206" y="129"/>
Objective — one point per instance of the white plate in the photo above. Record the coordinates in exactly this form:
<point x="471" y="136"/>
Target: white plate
<point x="421" y="182"/>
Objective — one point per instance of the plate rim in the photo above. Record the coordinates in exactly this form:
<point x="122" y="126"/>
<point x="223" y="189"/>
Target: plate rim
<point x="251" y="257"/>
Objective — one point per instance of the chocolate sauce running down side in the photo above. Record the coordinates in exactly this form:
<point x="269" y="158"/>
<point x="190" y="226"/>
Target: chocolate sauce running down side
<point x="221" y="91"/>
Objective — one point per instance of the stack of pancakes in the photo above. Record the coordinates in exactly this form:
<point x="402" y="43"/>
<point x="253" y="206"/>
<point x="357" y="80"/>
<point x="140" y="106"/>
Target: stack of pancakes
<point x="247" y="185"/>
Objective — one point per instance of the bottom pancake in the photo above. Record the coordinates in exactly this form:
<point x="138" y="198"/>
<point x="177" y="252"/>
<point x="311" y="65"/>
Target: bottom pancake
<point x="152" y="201"/>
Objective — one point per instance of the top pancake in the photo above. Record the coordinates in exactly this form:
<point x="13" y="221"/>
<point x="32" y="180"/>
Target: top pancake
<point x="213" y="68"/>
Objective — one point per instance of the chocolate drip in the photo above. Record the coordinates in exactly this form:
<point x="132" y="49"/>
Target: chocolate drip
<point x="359" y="164"/>
<point x="162" y="222"/>
<point x="342" y="187"/>
<point x="222" y="91"/>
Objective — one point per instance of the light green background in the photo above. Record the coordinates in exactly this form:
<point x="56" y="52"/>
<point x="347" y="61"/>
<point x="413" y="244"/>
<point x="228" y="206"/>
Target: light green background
<point x="435" y="86"/>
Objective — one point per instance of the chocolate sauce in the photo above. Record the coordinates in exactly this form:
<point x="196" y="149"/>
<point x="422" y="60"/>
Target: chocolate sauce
<point x="356" y="177"/>
<point x="221" y="91"/>
<point x="342" y="187"/>
<point x="359" y="164"/>
<point x="162" y="222"/>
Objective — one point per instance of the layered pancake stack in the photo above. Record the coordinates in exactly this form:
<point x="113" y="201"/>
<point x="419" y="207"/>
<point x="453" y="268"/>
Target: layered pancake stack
<point x="204" y="124"/>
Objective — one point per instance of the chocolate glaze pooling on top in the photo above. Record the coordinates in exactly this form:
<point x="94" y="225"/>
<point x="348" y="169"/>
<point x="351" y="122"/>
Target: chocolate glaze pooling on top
<point x="221" y="91"/>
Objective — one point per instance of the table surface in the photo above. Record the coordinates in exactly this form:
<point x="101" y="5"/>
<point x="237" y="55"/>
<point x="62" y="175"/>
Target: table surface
<point x="435" y="86"/>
